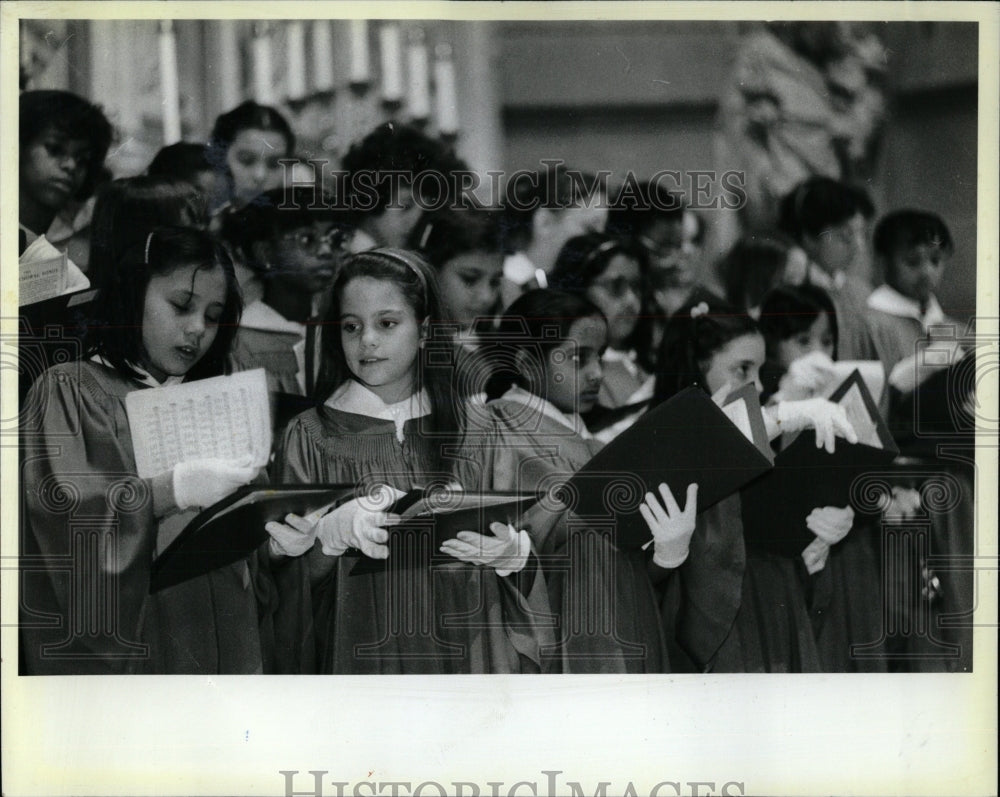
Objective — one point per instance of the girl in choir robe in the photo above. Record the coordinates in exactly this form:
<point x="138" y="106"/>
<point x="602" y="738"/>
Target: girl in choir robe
<point x="546" y="371"/>
<point x="738" y="608"/>
<point x="391" y="422"/>
<point x="294" y="245"/>
<point x="799" y="325"/>
<point x="611" y="272"/>
<point x="91" y="527"/>
<point x="465" y="245"/>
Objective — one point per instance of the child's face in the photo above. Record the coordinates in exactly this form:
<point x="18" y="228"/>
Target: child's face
<point x="573" y="369"/>
<point x="836" y="247"/>
<point x="470" y="285"/>
<point x="618" y="293"/>
<point x="179" y="318"/>
<point x="818" y="337"/>
<point x="737" y="363"/>
<point x="254" y="160"/>
<point x="307" y="257"/>
<point x="392" y="227"/>
<point x="53" y="169"/>
<point x="916" y="271"/>
<point x="381" y="336"/>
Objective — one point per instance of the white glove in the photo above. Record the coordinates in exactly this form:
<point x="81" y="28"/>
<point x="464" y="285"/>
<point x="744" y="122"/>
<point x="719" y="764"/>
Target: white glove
<point x="203" y="482"/>
<point x="828" y="419"/>
<point x="506" y="552"/>
<point x="830" y="523"/>
<point x="904" y="505"/>
<point x="814" y="555"/>
<point x="293" y="537"/>
<point x="672" y="527"/>
<point x="806" y="376"/>
<point x="353" y="526"/>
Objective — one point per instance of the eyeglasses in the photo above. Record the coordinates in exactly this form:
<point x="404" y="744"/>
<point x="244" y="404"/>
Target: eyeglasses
<point x="668" y="251"/>
<point x="335" y="240"/>
<point x="617" y="287"/>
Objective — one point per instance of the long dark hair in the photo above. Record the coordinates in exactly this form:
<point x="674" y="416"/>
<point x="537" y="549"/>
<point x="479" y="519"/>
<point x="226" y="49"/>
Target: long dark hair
<point x="115" y="332"/>
<point x="690" y="340"/>
<point x="128" y="209"/>
<point x="537" y="321"/>
<point x="436" y="366"/>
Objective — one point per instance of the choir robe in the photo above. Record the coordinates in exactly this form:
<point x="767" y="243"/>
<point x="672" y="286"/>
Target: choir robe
<point x="604" y="598"/>
<point x="269" y="341"/>
<point x="438" y="617"/>
<point x="741" y="609"/>
<point x="88" y="540"/>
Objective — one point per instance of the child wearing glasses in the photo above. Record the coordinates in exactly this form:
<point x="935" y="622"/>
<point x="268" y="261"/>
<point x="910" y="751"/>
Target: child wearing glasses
<point x="610" y="271"/>
<point x="296" y="249"/>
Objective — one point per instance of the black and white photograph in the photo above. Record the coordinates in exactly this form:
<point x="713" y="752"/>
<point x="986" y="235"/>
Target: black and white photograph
<point x="619" y="379"/>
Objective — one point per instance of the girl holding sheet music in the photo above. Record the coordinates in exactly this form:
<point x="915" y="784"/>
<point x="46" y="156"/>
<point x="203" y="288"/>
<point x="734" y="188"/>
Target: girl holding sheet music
<point x="91" y="526"/>
<point x="391" y="422"/>
<point x="740" y="608"/>
<point x="547" y="370"/>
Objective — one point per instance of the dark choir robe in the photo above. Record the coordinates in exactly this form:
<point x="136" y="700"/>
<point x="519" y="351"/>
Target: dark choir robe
<point x="752" y="616"/>
<point x="604" y="598"/>
<point x="269" y="341"/>
<point x="441" y="617"/>
<point x="89" y="537"/>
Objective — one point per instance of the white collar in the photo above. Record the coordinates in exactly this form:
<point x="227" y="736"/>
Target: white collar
<point x="357" y="399"/>
<point x="362" y="242"/>
<point x="518" y="268"/>
<point x="821" y="279"/>
<point x="548" y="409"/>
<point x="626" y="358"/>
<point x="144" y="378"/>
<point x="888" y="300"/>
<point x="261" y="316"/>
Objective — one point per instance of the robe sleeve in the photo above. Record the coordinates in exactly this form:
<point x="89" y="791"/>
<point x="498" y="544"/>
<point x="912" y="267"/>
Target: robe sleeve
<point x="88" y="531"/>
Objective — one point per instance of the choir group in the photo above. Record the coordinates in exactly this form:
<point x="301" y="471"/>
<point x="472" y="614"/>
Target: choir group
<point x="412" y="337"/>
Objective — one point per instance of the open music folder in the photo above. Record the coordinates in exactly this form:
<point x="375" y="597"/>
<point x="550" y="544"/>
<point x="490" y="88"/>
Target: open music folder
<point x="805" y="477"/>
<point x="431" y="516"/>
<point x="233" y="528"/>
<point x="685" y="440"/>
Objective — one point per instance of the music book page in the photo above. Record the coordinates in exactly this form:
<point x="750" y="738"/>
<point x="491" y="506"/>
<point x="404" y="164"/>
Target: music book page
<point x="226" y="417"/>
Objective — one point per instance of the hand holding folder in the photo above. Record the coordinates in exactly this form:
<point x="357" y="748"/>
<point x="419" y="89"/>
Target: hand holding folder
<point x="776" y="506"/>
<point x="431" y="520"/>
<point x="235" y="527"/>
<point x="686" y="440"/>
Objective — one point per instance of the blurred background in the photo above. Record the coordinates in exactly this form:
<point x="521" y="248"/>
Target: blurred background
<point x="618" y="96"/>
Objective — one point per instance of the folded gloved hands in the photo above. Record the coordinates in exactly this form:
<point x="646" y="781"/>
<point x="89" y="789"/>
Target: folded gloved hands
<point x="830" y="523"/>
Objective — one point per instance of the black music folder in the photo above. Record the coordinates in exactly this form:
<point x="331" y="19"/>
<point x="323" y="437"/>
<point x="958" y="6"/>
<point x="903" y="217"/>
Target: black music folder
<point x="431" y="516"/>
<point x="233" y="528"/>
<point x="685" y="440"/>
<point x="804" y="477"/>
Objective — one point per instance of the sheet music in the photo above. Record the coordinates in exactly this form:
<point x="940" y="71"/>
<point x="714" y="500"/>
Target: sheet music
<point x="739" y="414"/>
<point x="43" y="272"/>
<point x="226" y="417"/>
<point x="857" y="414"/>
